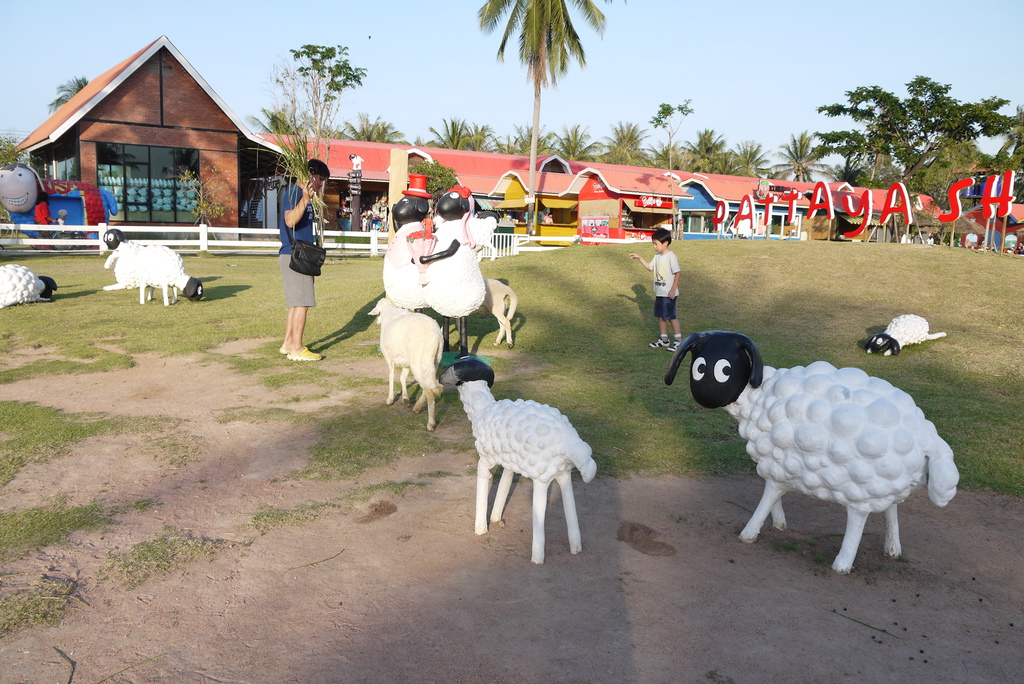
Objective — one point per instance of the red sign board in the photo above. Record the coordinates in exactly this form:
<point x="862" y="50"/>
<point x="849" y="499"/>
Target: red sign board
<point x="652" y="201"/>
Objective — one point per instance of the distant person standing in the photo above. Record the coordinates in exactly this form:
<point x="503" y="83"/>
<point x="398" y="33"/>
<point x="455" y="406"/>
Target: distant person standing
<point x="296" y="223"/>
<point x="665" y="267"/>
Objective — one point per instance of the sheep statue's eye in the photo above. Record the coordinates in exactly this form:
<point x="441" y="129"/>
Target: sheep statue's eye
<point x="698" y="368"/>
<point x="723" y="370"/>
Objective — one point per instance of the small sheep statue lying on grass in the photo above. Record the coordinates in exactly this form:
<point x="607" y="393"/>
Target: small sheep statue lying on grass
<point x="525" y="437"/>
<point x="147" y="267"/>
<point x="19" y="285"/>
<point x="410" y="341"/>
<point x="901" y="331"/>
<point x="834" y="434"/>
<point x="498" y="293"/>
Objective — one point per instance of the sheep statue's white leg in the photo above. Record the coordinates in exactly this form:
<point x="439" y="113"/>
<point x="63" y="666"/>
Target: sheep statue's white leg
<point x="564" y="481"/>
<point x="501" y="498"/>
<point x="142" y="294"/>
<point x="540" y="507"/>
<point x="778" y="516"/>
<point x="855" y="520"/>
<point x="772" y="493"/>
<point x="483" y="490"/>
<point x="391" y="383"/>
<point x="405" y="386"/>
<point x="892" y="533"/>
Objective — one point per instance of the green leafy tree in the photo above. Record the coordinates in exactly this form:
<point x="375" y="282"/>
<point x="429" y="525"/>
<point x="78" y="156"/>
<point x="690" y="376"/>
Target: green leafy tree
<point x="208" y="207"/>
<point x="911" y="130"/>
<point x="371" y="131"/>
<point x="66" y="91"/>
<point x="625" y="145"/>
<point x="9" y="154"/>
<point x="801" y="159"/>
<point x="751" y="159"/>
<point x="702" y="154"/>
<point x="440" y="178"/>
<point x="670" y="119"/>
<point x="575" y="144"/>
<point x="548" y="42"/>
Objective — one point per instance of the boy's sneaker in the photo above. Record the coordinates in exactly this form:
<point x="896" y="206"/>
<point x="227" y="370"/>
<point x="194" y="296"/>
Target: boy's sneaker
<point x="674" y="346"/>
<point x="660" y="342"/>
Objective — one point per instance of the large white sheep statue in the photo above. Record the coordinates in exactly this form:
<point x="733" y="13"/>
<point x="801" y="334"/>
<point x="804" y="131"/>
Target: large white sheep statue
<point x="901" y="331"/>
<point x="525" y="437"/>
<point x="412" y="342"/>
<point x="148" y="267"/>
<point x="834" y="434"/>
<point x="19" y="285"/>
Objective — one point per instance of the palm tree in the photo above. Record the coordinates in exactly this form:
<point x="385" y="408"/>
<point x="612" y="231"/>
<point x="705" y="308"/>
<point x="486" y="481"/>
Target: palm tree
<point x="547" y="42"/>
<point x="849" y="172"/>
<point x="727" y="164"/>
<point x="666" y="156"/>
<point x="280" y="121"/>
<point x="371" y="131"/>
<point x="455" y="134"/>
<point x="67" y="90"/>
<point x="625" y="145"/>
<point x="481" y="138"/>
<point x="800" y="161"/>
<point x="751" y="159"/>
<point x="574" y="144"/>
<point x="703" y="153"/>
<point x="519" y="142"/>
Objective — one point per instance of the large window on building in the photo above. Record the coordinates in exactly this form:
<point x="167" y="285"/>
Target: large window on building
<point x="147" y="181"/>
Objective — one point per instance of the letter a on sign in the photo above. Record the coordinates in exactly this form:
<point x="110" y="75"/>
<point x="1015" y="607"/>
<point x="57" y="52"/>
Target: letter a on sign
<point x="821" y="198"/>
<point x="890" y="208"/>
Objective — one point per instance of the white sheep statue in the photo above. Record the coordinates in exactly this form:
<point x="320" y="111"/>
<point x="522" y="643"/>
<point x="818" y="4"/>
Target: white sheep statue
<point x="525" y="437"/>
<point x="901" y="331"/>
<point x="498" y="296"/>
<point x="412" y="342"/>
<point x="19" y="285"/>
<point x="448" y="278"/>
<point x="834" y="434"/>
<point x="148" y="267"/>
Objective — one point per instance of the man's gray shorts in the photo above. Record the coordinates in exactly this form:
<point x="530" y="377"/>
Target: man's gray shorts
<point x="298" y="288"/>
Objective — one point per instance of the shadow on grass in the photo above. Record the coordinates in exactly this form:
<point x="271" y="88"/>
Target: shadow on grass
<point x="360" y="322"/>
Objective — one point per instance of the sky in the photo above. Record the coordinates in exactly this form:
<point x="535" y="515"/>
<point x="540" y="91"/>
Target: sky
<point x="751" y="70"/>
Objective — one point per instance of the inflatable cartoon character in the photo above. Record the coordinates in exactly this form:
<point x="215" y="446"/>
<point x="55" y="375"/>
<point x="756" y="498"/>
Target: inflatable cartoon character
<point x="22" y="195"/>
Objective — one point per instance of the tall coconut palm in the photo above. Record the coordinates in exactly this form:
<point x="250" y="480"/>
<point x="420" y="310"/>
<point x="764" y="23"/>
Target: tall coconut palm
<point x="455" y="134"/>
<point x="371" y="131"/>
<point x="67" y="90"/>
<point x="481" y="138"/>
<point x="625" y="145"/>
<point x="575" y="144"/>
<point x="800" y="160"/>
<point x="751" y="159"/>
<point x="519" y="142"/>
<point x="547" y="42"/>
<point x="702" y="154"/>
<point x="280" y="120"/>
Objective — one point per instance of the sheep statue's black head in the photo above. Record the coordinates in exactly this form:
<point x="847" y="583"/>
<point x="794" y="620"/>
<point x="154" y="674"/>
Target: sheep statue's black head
<point x="452" y="205"/>
<point x="113" y="238"/>
<point x="49" y="285"/>
<point x="193" y="290"/>
<point x="467" y="369"/>
<point x="723" y="364"/>
<point x="409" y="210"/>
<point x="881" y="343"/>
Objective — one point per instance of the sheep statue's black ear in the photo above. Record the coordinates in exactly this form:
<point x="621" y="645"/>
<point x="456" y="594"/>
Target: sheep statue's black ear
<point x="692" y="341"/>
<point x="756" y="365"/>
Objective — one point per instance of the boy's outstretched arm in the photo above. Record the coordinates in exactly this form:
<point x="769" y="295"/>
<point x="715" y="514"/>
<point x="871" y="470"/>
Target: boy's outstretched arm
<point x="641" y="260"/>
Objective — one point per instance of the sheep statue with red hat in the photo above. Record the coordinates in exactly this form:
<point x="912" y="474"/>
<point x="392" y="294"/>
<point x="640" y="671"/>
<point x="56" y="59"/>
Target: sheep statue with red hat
<point x="417" y="274"/>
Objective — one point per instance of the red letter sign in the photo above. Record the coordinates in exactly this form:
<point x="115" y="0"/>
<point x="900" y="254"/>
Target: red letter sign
<point x="956" y="208"/>
<point x="721" y="214"/>
<point x="891" y="208"/>
<point x="821" y="198"/>
<point x="1003" y="197"/>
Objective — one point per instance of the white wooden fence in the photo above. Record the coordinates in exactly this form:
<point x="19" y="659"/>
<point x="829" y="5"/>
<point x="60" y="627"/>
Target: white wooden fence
<point x="258" y="240"/>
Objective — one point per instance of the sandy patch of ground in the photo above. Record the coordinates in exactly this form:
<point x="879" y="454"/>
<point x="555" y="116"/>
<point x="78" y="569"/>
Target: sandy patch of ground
<point x="398" y="588"/>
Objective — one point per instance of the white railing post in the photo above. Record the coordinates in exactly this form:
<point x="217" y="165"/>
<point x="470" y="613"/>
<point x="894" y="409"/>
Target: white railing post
<point x="101" y="231"/>
<point x="374" y="243"/>
<point x="204" y="238"/>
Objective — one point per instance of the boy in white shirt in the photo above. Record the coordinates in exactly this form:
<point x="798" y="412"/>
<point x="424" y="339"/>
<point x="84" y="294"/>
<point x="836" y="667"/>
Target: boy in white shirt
<point x="665" y="267"/>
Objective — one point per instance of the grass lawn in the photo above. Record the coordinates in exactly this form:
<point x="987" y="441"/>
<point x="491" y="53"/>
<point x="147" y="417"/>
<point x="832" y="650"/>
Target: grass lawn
<point x="582" y="330"/>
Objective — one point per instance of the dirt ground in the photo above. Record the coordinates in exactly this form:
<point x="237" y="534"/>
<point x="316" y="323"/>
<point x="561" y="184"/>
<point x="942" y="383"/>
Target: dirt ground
<point x="400" y="589"/>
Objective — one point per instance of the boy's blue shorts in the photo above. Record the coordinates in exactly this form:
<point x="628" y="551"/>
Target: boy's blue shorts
<point x="665" y="307"/>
